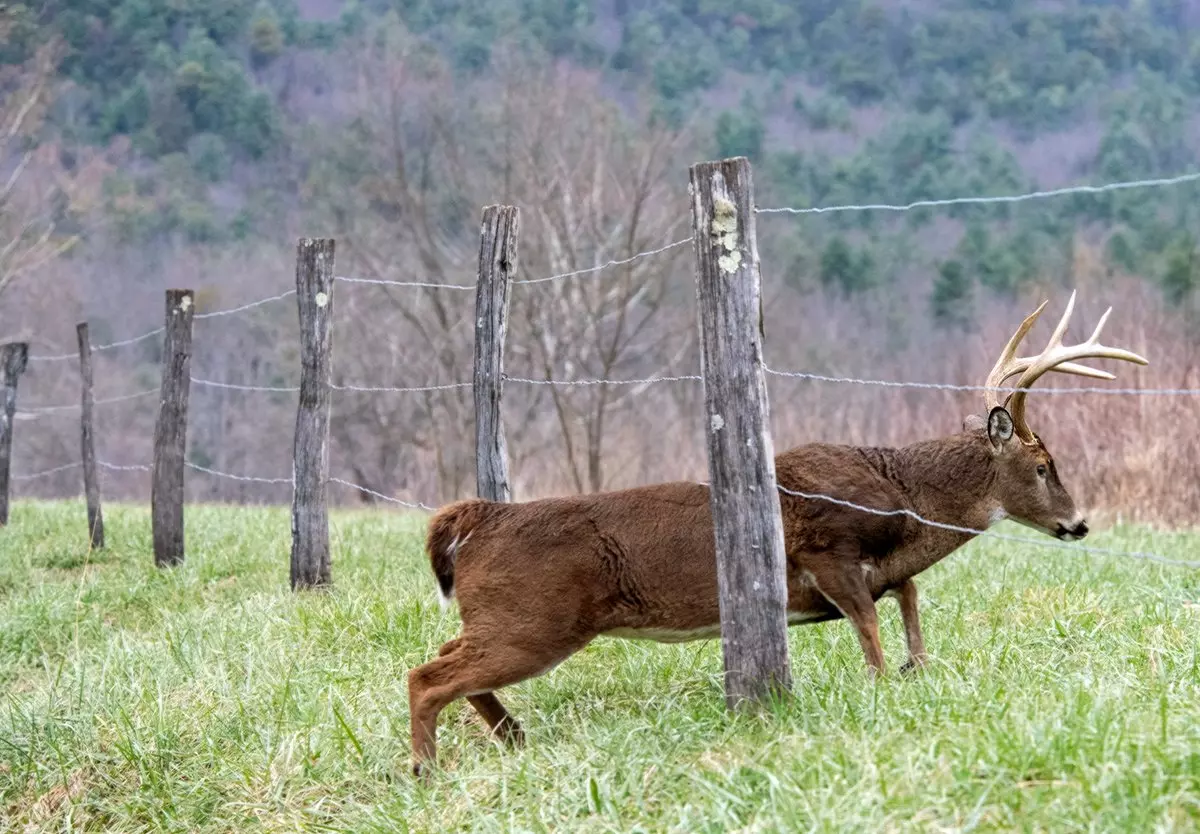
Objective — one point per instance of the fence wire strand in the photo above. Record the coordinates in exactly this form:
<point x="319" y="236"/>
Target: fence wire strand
<point x="244" y="307"/>
<point x="47" y="472"/>
<point x="954" y="528"/>
<point x="607" y="264"/>
<point x="383" y="282"/>
<point x="370" y="389"/>
<point x="1010" y="198"/>
<point x="941" y="386"/>
<point x="117" y="467"/>
<point x="40" y="411"/>
<point x="97" y="348"/>
<point x="244" y="478"/>
<point x="151" y="333"/>
<point x="569" y="382"/>
<point x="212" y="383"/>
<point x="381" y="496"/>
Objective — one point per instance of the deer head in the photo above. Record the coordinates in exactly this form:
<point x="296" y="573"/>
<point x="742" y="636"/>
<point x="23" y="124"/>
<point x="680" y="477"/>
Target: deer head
<point x="1027" y="486"/>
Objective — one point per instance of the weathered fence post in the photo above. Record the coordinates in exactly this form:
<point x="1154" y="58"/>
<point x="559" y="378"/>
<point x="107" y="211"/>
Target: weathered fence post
<point x="14" y="356"/>
<point x="751" y="563"/>
<point x="170" y="431"/>
<point x="91" y="483"/>
<point x="498" y="238"/>
<point x="310" y="468"/>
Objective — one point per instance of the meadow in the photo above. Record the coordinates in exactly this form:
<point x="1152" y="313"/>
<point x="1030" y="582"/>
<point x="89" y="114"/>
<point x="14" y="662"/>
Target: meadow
<point x="1063" y="695"/>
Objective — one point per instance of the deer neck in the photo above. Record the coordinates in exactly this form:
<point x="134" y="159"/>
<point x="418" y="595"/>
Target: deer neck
<point x="949" y="481"/>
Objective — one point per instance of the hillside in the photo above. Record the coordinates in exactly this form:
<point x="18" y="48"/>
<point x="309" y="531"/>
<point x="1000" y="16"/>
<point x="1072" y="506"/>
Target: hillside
<point x="199" y="138"/>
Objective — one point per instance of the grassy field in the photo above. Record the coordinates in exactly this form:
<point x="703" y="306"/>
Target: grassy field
<point x="1064" y="695"/>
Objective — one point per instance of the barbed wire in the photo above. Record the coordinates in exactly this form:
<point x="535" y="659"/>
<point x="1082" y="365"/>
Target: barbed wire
<point x="381" y="496"/>
<point x="151" y="333"/>
<point x="942" y="386"/>
<point x="212" y="383"/>
<point x="955" y="528"/>
<point x="568" y="382"/>
<point x="607" y="264"/>
<point x="97" y="348"/>
<point x="368" y="389"/>
<point x="41" y="411"/>
<point x="117" y="467"/>
<point x="244" y="307"/>
<point x="411" y="284"/>
<point x="1010" y="198"/>
<point x="244" y="478"/>
<point x="46" y="472"/>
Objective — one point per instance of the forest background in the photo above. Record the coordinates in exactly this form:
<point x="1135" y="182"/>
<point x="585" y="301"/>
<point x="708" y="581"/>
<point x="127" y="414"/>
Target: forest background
<point x="147" y="145"/>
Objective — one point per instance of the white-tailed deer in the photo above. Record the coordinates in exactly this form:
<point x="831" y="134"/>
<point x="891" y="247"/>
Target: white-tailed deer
<point x="537" y="581"/>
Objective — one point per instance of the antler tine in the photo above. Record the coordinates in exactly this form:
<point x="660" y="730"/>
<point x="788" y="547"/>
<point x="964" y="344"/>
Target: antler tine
<point x="1057" y="357"/>
<point x="1060" y="330"/>
<point x="1008" y="365"/>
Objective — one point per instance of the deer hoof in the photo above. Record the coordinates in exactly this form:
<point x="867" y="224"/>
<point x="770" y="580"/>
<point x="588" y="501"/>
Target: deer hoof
<point x="511" y="733"/>
<point x="914" y="664"/>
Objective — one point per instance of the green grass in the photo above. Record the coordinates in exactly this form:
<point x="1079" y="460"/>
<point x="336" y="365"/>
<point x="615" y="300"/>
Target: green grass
<point x="1064" y="695"/>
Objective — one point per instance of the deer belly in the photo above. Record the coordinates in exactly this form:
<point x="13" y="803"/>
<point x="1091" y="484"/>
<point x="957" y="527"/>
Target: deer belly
<point x="665" y="635"/>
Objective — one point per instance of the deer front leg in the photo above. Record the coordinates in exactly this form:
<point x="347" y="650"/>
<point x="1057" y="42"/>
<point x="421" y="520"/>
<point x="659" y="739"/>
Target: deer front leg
<point x="843" y="585"/>
<point x="906" y="595"/>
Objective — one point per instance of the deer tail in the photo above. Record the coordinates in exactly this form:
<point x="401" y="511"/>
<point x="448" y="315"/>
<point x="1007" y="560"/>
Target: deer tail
<point x="449" y="529"/>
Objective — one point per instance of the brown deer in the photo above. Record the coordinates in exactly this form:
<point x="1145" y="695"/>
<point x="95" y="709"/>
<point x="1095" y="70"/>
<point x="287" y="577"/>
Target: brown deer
<point x="537" y="581"/>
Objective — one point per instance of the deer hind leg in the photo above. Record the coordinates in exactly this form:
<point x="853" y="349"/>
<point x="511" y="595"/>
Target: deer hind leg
<point x="473" y="667"/>
<point x="502" y="725"/>
<point x="843" y="585"/>
<point x="906" y="595"/>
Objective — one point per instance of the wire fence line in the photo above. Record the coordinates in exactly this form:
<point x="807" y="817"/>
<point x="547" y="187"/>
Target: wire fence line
<point x="411" y="505"/>
<point x="276" y="389"/>
<point x="244" y="307"/>
<point x="45" y="473"/>
<point x="606" y="264"/>
<point x="158" y="330"/>
<point x="42" y="411"/>
<point x="64" y="356"/>
<point x="374" y="389"/>
<point x="383" y="282"/>
<point x="940" y="386"/>
<point x="1045" y="541"/>
<point x="252" y="479"/>
<point x="570" y="382"/>
<point x="802" y="375"/>
<point x="980" y="200"/>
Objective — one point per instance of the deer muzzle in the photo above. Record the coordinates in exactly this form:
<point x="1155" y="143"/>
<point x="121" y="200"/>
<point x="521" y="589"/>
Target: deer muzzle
<point x="1072" y="531"/>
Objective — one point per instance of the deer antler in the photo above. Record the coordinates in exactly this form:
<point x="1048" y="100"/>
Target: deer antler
<point x="1008" y="365"/>
<point x="1055" y="357"/>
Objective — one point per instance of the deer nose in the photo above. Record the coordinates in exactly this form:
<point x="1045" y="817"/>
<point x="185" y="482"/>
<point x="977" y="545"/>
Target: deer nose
<point x="1068" y="534"/>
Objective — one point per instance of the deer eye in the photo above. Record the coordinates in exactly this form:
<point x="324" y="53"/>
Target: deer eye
<point x="1041" y="470"/>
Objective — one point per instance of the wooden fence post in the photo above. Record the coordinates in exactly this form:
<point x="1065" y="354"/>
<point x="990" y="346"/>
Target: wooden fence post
<point x="310" y="468"/>
<point x="498" y="238"/>
<point x="751" y="563"/>
<point x="170" y="431"/>
<point x="14" y="356"/>
<point x="91" y="482"/>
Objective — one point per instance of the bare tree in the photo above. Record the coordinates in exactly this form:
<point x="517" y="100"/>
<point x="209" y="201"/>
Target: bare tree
<point x="36" y="190"/>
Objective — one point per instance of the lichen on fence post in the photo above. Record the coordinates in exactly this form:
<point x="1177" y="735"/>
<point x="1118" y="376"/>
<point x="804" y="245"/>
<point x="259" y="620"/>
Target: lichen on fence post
<point x="310" y="566"/>
<point x="170" y="431"/>
<point x="498" y="238"/>
<point x="751" y="565"/>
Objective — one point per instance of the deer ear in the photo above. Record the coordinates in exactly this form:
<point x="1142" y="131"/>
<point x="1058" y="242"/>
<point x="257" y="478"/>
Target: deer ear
<point x="973" y="422"/>
<point x="1000" y="427"/>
